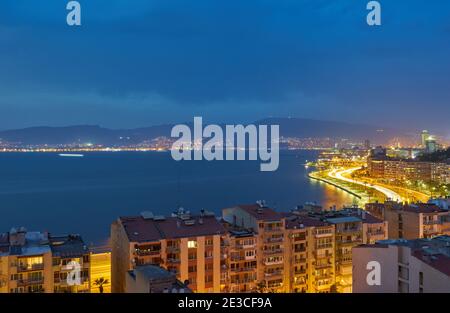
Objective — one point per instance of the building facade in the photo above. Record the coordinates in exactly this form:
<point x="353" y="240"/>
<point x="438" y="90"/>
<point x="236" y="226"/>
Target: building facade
<point x="412" y="221"/>
<point x="33" y="262"/>
<point x="404" y="266"/>
<point x="252" y="248"/>
<point x="193" y="247"/>
<point x="392" y="169"/>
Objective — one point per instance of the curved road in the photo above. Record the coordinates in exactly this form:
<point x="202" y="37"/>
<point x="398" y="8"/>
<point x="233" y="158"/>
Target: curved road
<point x="387" y="192"/>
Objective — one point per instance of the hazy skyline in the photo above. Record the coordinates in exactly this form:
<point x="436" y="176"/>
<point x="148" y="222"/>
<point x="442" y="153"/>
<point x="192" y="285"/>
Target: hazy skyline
<point x="138" y="63"/>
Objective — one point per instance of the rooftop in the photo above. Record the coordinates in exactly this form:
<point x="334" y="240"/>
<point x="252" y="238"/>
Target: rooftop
<point x="152" y="272"/>
<point x="438" y="261"/>
<point x="70" y="246"/>
<point x="160" y="280"/>
<point x="261" y="212"/>
<point x="413" y="207"/>
<point x="148" y="228"/>
<point x="344" y="219"/>
<point x="294" y="221"/>
<point x="423" y="208"/>
<point x="28" y="243"/>
<point x="435" y="251"/>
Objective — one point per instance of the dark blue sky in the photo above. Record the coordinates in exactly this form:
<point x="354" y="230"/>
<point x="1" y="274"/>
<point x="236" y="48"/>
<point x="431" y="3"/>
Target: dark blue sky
<point x="141" y="62"/>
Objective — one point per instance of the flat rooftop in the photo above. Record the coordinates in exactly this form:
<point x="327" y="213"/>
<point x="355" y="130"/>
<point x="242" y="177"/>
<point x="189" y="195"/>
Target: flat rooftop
<point x="69" y="246"/>
<point x="153" y="272"/>
<point x="434" y="252"/>
<point x="140" y="229"/>
<point x="29" y="243"/>
<point x="261" y="213"/>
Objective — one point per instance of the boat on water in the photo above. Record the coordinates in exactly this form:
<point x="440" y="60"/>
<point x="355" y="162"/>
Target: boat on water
<point x="73" y="155"/>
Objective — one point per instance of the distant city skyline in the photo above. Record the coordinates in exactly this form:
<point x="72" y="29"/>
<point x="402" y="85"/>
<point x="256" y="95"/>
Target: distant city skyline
<point x="162" y="62"/>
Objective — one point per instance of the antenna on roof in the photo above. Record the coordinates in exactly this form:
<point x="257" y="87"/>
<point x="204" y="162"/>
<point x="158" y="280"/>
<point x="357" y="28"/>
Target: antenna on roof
<point x="261" y="203"/>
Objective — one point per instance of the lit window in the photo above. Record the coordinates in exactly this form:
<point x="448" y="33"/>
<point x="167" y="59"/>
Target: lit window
<point x="192" y="244"/>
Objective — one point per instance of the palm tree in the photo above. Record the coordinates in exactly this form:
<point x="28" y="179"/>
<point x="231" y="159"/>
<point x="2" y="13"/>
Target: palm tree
<point x="100" y="282"/>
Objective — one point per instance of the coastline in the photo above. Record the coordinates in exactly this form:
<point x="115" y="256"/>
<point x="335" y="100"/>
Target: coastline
<point x="334" y="184"/>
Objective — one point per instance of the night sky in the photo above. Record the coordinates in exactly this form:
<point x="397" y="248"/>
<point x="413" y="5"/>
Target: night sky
<point x="142" y="62"/>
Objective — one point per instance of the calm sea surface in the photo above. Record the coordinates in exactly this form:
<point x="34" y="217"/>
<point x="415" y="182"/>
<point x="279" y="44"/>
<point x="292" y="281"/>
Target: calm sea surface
<point x="43" y="191"/>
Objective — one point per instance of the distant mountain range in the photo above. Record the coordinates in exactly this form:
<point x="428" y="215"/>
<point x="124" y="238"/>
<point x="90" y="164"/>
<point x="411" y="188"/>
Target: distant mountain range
<point x="289" y="127"/>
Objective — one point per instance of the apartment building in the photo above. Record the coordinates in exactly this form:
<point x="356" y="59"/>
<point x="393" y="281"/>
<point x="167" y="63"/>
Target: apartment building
<point x="241" y="261"/>
<point x="375" y="167"/>
<point x="411" y="221"/>
<point x="348" y="231"/>
<point x="392" y="169"/>
<point x="252" y="248"/>
<point x="38" y="262"/>
<point x="192" y="246"/>
<point x="294" y="253"/>
<point x="373" y="228"/>
<point x="313" y="253"/>
<point x="269" y="228"/>
<point x="69" y="254"/>
<point x="405" y="266"/>
<point x="352" y="227"/>
<point x="310" y="257"/>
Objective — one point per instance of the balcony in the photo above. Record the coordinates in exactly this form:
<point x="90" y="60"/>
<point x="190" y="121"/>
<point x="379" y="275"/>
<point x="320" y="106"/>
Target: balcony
<point x="243" y="281"/>
<point x="348" y="230"/>
<point x="30" y="267"/>
<point x="245" y="245"/>
<point x="243" y="269"/>
<point x="173" y="249"/>
<point x="434" y="222"/>
<point x="273" y="229"/>
<point x="273" y="274"/>
<point x="300" y="272"/>
<point x="274" y="251"/>
<point x="322" y="235"/>
<point x="274" y="284"/>
<point x="300" y="260"/>
<point x="273" y="262"/>
<point x="377" y="233"/>
<point x="147" y="252"/>
<point x="430" y="231"/>
<point x="323" y="265"/>
<point x="323" y="277"/>
<point x="345" y="260"/>
<point x="30" y="281"/>
<point x="237" y="258"/>
<point x="274" y="240"/>
<point x="345" y="269"/>
<point x="324" y="246"/>
<point x="324" y="286"/>
<point x="300" y="282"/>
<point x="300" y="249"/>
<point x="349" y="242"/>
